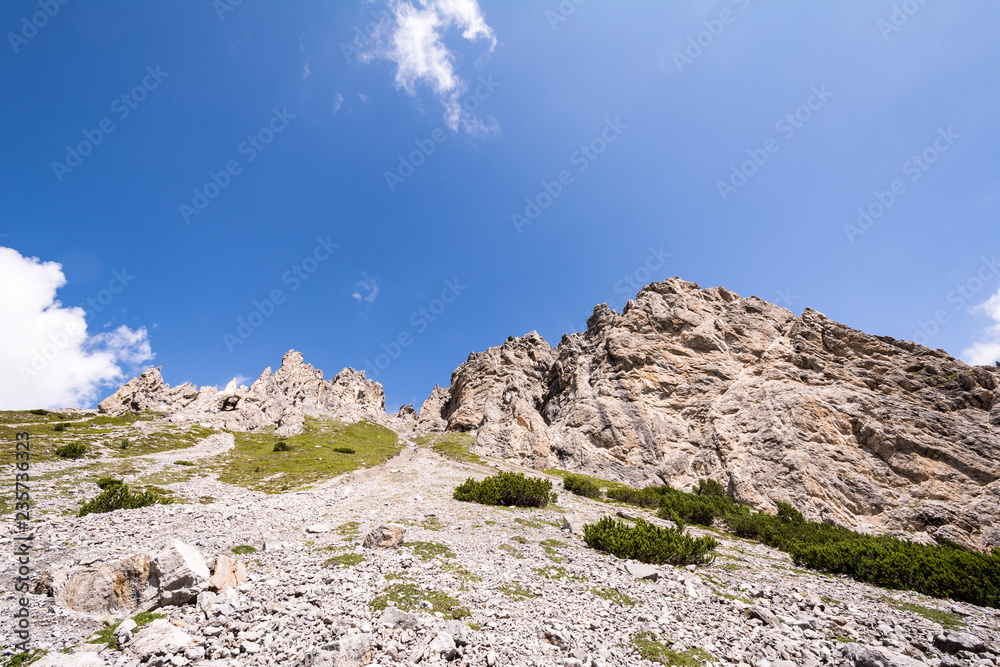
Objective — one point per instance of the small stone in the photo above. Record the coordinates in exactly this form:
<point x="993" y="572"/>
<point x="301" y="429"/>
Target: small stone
<point x="642" y="571"/>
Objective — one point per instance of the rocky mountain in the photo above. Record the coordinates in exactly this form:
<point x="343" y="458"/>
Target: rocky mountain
<point x="281" y="399"/>
<point x="860" y="430"/>
<point x="865" y="431"/>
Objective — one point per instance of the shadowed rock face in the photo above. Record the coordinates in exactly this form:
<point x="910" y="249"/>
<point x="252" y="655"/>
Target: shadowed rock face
<point x="861" y="430"/>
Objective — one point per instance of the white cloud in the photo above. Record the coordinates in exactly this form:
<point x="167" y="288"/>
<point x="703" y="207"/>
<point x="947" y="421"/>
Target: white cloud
<point x="986" y="351"/>
<point x="47" y="359"/>
<point x="413" y="40"/>
<point x="337" y="102"/>
<point x="365" y="289"/>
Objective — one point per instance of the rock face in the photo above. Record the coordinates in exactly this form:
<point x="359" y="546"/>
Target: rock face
<point x="861" y="430"/>
<point x="283" y="399"/>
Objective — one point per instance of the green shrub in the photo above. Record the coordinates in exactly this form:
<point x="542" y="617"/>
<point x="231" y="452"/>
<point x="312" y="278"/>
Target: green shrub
<point x="282" y="446"/>
<point x="507" y="488"/>
<point x="184" y="463"/>
<point x="581" y="486"/>
<point x="709" y="487"/>
<point x="648" y="543"/>
<point x="119" y="497"/>
<point x="243" y="549"/>
<point x="61" y="426"/>
<point x="510" y="338"/>
<point x="39" y="412"/>
<point x="105" y="483"/>
<point x="125" y="444"/>
<point x="344" y="450"/>
<point x="74" y="450"/>
<point x="651" y="496"/>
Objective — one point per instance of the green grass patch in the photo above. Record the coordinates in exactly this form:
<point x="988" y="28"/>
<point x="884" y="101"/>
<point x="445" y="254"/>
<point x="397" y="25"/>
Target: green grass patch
<point x="511" y="550"/>
<point x="345" y="560"/>
<point x="430" y="550"/>
<point x="516" y="591"/>
<point x="507" y="489"/>
<point x="454" y="445"/>
<point x="409" y="597"/>
<point x="184" y="463"/>
<point x="557" y="573"/>
<point x="22" y="659"/>
<point x="649" y="648"/>
<point x="647" y="543"/>
<point x="106" y="635"/>
<point x="344" y="450"/>
<point x="614" y="595"/>
<point x="946" y="619"/>
<point x="243" y="549"/>
<point x="349" y="528"/>
<point x="528" y="523"/>
<point x="461" y="572"/>
<point x="254" y="465"/>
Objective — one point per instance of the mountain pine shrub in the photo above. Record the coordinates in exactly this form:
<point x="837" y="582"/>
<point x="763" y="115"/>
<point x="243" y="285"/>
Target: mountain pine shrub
<point x="119" y="497"/>
<point x="507" y="488"/>
<point x="581" y="486"/>
<point x="648" y="543"/>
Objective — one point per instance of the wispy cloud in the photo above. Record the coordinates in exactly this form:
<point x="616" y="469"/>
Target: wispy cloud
<point x="49" y="359"/>
<point x="337" y="102"/>
<point x="366" y="289"/>
<point x="987" y="350"/>
<point x="413" y="40"/>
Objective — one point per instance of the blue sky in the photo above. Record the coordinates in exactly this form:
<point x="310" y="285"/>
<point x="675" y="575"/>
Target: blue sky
<point x="473" y="171"/>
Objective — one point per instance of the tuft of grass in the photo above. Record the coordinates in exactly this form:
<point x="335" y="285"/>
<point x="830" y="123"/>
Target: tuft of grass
<point x="345" y="560"/>
<point x="349" y="528"/>
<point x="23" y="659"/>
<point x="946" y="619"/>
<point x="61" y="426"/>
<point x="429" y="550"/>
<point x="557" y="573"/>
<point x="511" y="550"/>
<point x="647" y="646"/>
<point x="252" y="463"/>
<point x="409" y="597"/>
<point x="614" y="595"/>
<point x="243" y="549"/>
<point x="516" y="591"/>
<point x="106" y="635"/>
<point x="344" y="450"/>
<point x="183" y="463"/>
<point x="281" y="446"/>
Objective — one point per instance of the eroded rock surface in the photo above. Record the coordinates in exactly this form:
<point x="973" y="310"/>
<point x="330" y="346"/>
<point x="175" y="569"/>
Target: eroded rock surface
<point x="861" y="430"/>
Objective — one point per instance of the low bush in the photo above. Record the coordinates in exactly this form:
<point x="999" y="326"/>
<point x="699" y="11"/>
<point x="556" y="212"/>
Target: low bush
<point x="651" y="496"/>
<point x="119" y="497"/>
<point x="61" y="426"/>
<point x="647" y="543"/>
<point x="709" y="487"/>
<point x="74" y="450"/>
<point x="184" y="463"/>
<point x="39" y="412"/>
<point x="344" y="450"/>
<point x="581" y="486"/>
<point x="281" y="446"/>
<point x="105" y="483"/>
<point x="507" y="488"/>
